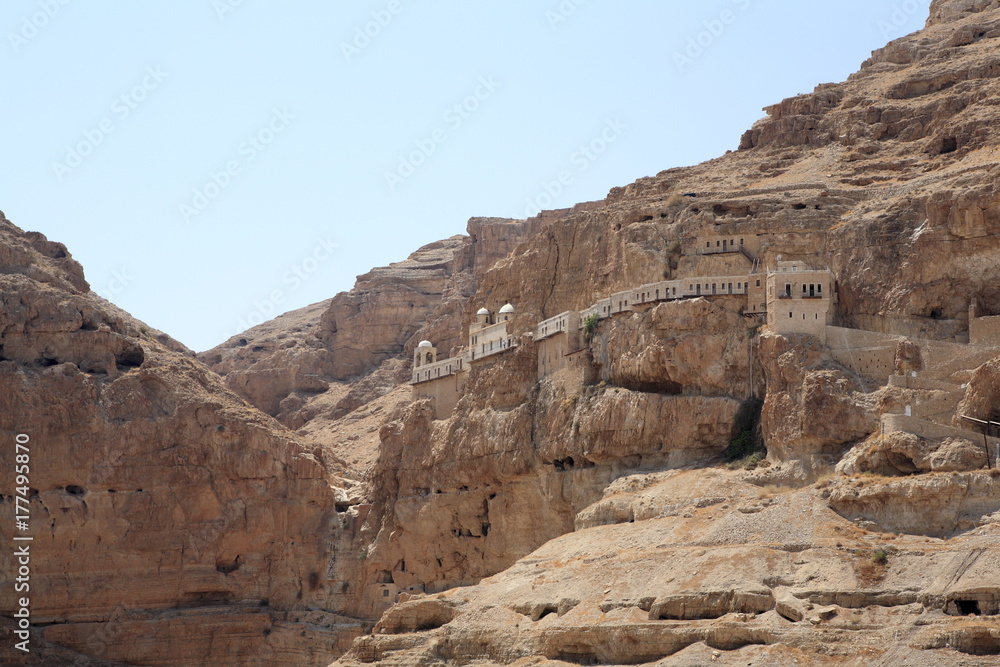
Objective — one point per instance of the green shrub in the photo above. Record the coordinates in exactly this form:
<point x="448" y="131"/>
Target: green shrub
<point x="880" y="556"/>
<point x="590" y="326"/>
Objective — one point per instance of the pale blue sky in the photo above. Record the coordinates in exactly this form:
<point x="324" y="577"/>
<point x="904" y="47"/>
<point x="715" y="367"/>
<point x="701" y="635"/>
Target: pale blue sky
<point x="308" y="129"/>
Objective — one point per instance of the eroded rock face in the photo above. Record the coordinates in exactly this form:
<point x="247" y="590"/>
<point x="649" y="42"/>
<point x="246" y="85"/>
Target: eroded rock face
<point x="982" y="397"/>
<point x="943" y="11"/>
<point x="900" y="453"/>
<point x="812" y="407"/>
<point x="937" y="505"/>
<point x="679" y="347"/>
<point x="585" y="521"/>
<point x="872" y="177"/>
<point x="466" y="497"/>
<point x="159" y="501"/>
<point x="747" y="577"/>
<point x="282" y="365"/>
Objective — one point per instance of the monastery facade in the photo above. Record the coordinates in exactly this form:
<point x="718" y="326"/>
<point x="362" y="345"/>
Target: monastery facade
<point x="795" y="298"/>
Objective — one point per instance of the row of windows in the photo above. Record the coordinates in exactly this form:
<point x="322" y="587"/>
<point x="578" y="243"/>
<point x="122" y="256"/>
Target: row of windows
<point x="738" y="286"/>
<point x="559" y="326"/>
<point x="724" y="243"/>
<point x="808" y="289"/>
<point x="672" y="292"/>
<point x="423" y="376"/>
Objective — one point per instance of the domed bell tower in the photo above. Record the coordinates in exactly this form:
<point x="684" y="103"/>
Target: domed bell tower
<point x="506" y="313"/>
<point x="424" y="354"/>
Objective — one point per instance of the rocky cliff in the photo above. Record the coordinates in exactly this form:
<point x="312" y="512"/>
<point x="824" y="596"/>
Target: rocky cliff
<point x="172" y="522"/>
<point x="888" y="179"/>
<point x="693" y="488"/>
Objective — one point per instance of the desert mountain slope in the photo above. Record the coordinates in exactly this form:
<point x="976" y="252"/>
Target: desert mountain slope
<point x="271" y="500"/>
<point x="889" y="180"/>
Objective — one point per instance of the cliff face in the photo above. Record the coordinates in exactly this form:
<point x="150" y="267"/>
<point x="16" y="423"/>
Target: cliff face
<point x="889" y="180"/>
<point x="313" y="366"/>
<point x="166" y="514"/>
<point x="250" y="505"/>
<point x="464" y="498"/>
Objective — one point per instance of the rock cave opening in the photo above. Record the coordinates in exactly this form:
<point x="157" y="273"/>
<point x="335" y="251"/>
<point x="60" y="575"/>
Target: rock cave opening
<point x="569" y="463"/>
<point x="968" y="607"/>
<point x="228" y="568"/>
<point x="577" y="657"/>
<point x="130" y="357"/>
<point x="547" y="610"/>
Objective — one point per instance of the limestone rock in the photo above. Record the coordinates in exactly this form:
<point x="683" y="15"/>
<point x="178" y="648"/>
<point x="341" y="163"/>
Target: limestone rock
<point x="811" y="407"/>
<point x="900" y="453"/>
<point x="583" y="519"/>
<point x="937" y="505"/>
<point x="156" y="495"/>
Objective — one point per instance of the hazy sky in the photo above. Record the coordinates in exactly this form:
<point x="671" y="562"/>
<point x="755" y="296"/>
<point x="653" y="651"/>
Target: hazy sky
<point x="211" y="162"/>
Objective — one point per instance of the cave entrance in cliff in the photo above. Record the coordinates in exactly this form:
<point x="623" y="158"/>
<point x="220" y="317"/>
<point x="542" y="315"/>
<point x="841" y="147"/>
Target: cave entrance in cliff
<point x="967" y="607"/>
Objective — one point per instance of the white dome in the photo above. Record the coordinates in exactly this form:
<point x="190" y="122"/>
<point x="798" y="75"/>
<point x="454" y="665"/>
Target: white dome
<point x="425" y="343"/>
<point x="483" y="311"/>
<point x="507" y="309"/>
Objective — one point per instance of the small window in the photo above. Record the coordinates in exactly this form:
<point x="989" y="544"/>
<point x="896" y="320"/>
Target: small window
<point x="819" y="288"/>
<point x="385" y="592"/>
<point x="789" y="316"/>
<point x="758" y="283"/>
<point x="741" y="241"/>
